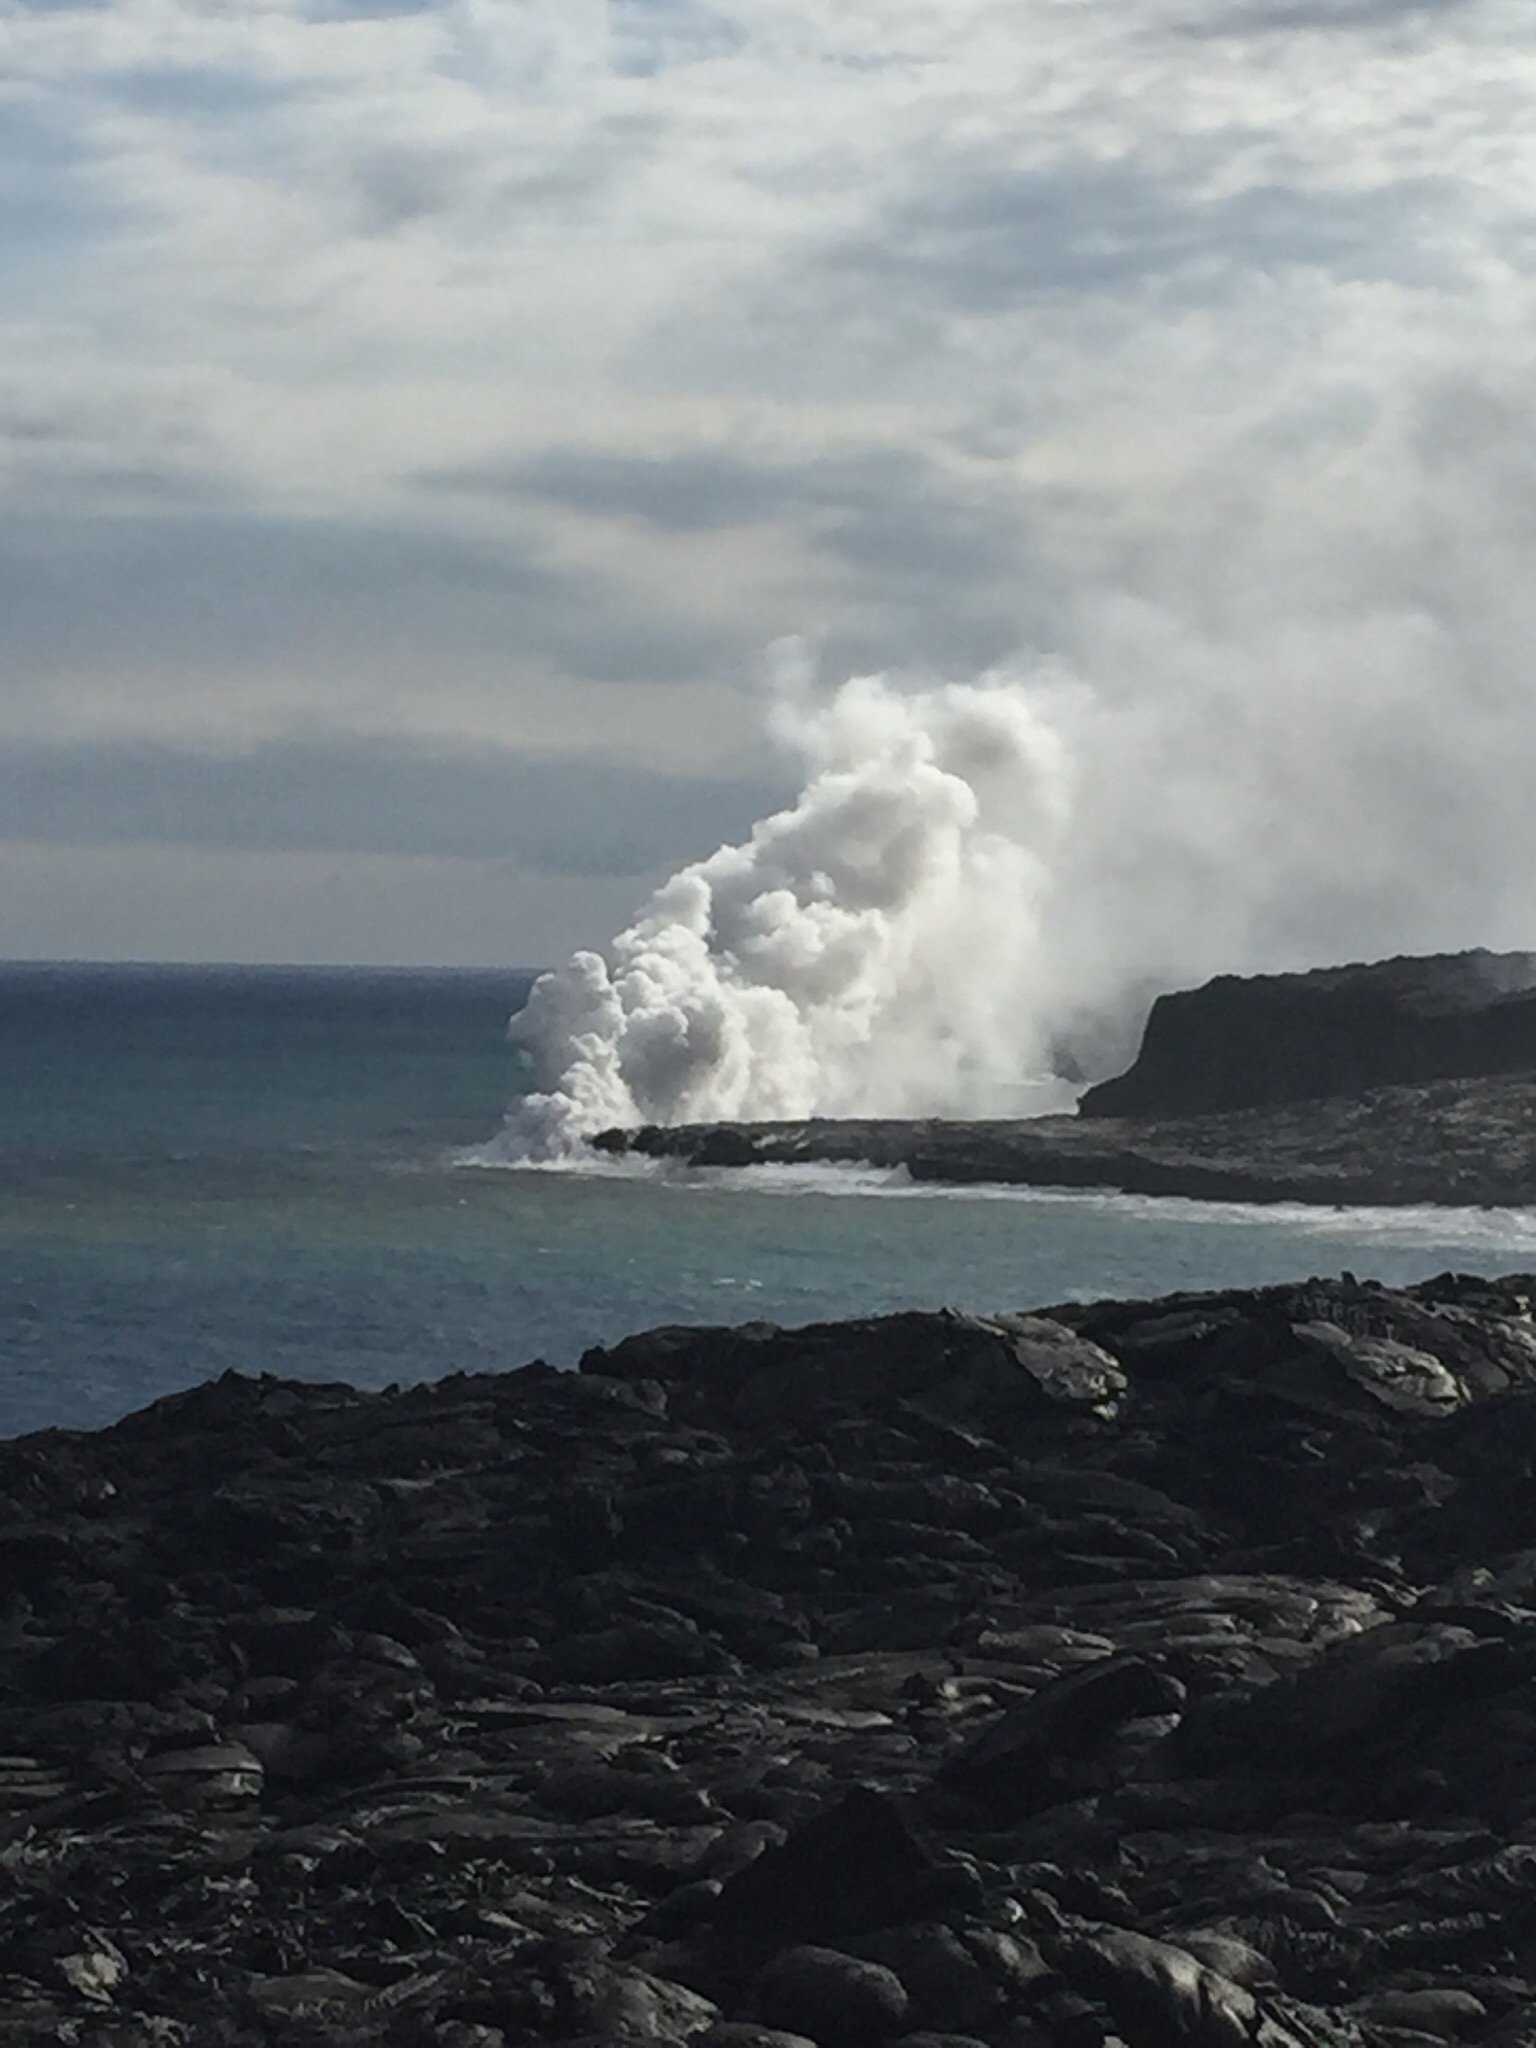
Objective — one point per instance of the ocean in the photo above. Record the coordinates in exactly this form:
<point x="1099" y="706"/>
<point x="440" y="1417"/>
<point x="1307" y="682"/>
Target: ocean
<point x="271" y="1170"/>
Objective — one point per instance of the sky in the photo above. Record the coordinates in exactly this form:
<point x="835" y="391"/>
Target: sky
<point x="419" y="419"/>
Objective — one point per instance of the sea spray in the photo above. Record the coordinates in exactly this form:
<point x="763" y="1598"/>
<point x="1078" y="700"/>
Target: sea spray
<point x="871" y="949"/>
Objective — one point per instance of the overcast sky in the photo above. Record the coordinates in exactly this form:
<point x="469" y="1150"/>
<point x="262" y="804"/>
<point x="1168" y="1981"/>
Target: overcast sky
<point x="417" y="420"/>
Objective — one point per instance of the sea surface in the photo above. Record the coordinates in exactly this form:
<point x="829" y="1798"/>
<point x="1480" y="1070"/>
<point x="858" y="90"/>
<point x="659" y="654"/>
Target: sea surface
<point x="271" y="1170"/>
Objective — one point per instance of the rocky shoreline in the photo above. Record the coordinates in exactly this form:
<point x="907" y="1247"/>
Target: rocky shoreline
<point x="1463" y="1142"/>
<point x="1144" y="1672"/>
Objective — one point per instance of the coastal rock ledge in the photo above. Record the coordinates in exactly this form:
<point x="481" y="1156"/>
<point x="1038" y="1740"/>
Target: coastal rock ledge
<point x="1402" y="1082"/>
<point x="1146" y="1673"/>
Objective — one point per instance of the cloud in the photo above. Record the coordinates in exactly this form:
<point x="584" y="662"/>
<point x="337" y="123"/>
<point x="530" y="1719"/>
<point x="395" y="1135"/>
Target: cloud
<point x="471" y="375"/>
<point x="564" y="815"/>
<point x="367" y="10"/>
<point x="687" y="492"/>
<point x="200" y="903"/>
<point x="192" y="92"/>
<point x="155" y="587"/>
<point x="54" y="205"/>
<point x="990" y="238"/>
<point x="930" y="560"/>
<point x="1356" y="17"/>
<point x="650" y="36"/>
<point x="887" y="511"/>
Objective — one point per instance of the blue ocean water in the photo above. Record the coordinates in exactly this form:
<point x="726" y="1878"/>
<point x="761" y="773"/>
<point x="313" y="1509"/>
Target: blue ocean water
<point x="264" y="1169"/>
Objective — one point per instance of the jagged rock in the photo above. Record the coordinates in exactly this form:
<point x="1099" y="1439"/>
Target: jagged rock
<point x="629" y="2007"/>
<point x="219" y="1774"/>
<point x="96" y="1970"/>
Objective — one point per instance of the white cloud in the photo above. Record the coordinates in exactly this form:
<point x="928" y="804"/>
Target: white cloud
<point x="1193" y="339"/>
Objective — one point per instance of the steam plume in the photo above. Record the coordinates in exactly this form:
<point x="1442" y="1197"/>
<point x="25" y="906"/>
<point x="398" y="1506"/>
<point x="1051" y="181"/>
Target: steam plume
<point x="976" y="874"/>
<point x="871" y="948"/>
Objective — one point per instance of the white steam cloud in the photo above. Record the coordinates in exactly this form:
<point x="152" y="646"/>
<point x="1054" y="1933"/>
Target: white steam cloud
<point x="978" y="875"/>
<point x="874" y="948"/>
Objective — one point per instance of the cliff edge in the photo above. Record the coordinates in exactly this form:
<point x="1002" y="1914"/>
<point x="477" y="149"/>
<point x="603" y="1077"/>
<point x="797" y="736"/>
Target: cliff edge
<point x="1251" y="1042"/>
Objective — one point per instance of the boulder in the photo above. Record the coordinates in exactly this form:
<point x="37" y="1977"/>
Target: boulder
<point x="861" y="1864"/>
<point x="1033" y="1756"/>
<point x="838" y="2000"/>
<point x="1158" y="1993"/>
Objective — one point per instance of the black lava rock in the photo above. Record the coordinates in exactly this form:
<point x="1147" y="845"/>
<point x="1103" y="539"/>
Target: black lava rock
<point x="1156" y="1673"/>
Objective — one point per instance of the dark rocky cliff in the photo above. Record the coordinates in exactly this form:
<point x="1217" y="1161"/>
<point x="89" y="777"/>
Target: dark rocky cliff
<point x="1248" y="1043"/>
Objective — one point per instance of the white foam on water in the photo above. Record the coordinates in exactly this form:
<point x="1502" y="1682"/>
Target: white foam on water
<point x="1511" y="1230"/>
<point x="580" y="1163"/>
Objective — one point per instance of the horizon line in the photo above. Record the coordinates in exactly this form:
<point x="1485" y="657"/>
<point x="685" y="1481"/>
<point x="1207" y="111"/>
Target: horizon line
<point x="259" y="966"/>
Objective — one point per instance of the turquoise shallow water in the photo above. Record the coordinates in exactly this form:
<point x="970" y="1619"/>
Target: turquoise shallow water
<point x="262" y="1169"/>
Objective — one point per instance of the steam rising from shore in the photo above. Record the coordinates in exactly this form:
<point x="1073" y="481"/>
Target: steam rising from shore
<point x="978" y="874"/>
<point x="873" y="948"/>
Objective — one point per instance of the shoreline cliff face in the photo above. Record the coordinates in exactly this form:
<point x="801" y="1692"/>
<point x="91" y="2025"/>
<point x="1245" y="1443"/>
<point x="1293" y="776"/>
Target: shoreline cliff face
<point x="1136" y="1672"/>
<point x="1252" y="1042"/>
